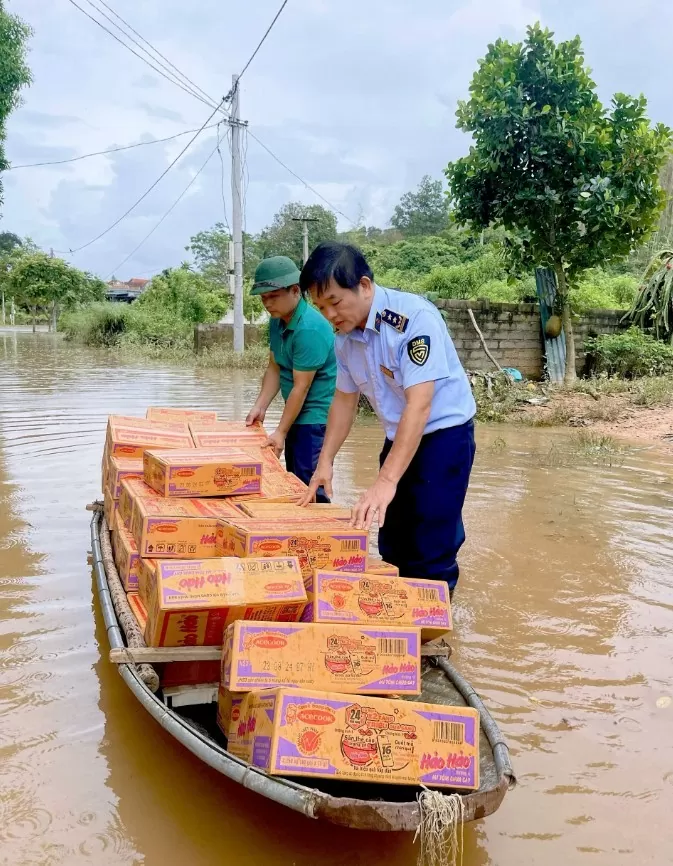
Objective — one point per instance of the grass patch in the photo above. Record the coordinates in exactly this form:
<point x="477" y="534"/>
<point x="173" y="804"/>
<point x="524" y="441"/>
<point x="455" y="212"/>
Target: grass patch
<point x="584" y="447"/>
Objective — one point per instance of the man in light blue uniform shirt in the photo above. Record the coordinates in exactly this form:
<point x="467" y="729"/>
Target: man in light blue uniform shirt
<point x="394" y="347"/>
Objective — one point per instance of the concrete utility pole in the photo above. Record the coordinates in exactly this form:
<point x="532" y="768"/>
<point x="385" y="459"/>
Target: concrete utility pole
<point x="305" y="221"/>
<point x="237" y="216"/>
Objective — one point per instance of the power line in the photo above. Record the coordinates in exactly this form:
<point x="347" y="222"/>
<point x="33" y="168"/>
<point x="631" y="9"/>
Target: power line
<point x="170" y="209"/>
<point x="156" y="51"/>
<point x="254" y="53"/>
<point x="301" y="179"/>
<point x="148" y="191"/>
<point x="139" y="56"/>
<point x="103" y="152"/>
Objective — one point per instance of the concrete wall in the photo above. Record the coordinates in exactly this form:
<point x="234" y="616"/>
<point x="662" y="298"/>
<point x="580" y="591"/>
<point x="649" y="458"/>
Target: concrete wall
<point x="513" y="333"/>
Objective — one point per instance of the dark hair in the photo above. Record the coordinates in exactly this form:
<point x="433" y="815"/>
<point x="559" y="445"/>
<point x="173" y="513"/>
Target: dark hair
<point x="333" y="260"/>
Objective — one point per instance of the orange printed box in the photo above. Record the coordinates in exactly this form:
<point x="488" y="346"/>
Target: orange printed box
<point x="146" y="579"/>
<point x="226" y="434"/>
<point x="176" y="673"/>
<point x="174" y="415"/>
<point x="190" y="603"/>
<point x="178" y="528"/>
<point x="131" y="437"/>
<point x="381" y="568"/>
<point x="260" y="508"/>
<point x="109" y="508"/>
<point x="232" y="723"/>
<point x="367" y="598"/>
<point x="321" y="734"/>
<point x="278" y="485"/>
<point x="126" y="556"/>
<point x="203" y="472"/>
<point x="119" y="468"/>
<point x="318" y="542"/>
<point x="132" y="489"/>
<point x="344" y="658"/>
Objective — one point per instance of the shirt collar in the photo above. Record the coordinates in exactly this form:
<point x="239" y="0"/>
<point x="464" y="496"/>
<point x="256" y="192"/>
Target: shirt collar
<point x="374" y="318"/>
<point x="296" y="316"/>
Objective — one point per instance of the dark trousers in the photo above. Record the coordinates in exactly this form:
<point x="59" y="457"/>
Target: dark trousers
<point x="303" y="444"/>
<point x="423" y="529"/>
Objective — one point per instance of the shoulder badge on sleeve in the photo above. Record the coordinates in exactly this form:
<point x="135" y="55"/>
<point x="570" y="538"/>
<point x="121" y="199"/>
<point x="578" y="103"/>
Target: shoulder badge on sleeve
<point x="377" y="323"/>
<point x="419" y="350"/>
<point x="395" y="320"/>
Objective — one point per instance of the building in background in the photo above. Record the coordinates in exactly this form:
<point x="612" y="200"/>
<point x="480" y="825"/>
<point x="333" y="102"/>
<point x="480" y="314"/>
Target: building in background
<point x="125" y="292"/>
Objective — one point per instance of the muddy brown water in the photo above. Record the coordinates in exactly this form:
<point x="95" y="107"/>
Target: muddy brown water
<point x="564" y="621"/>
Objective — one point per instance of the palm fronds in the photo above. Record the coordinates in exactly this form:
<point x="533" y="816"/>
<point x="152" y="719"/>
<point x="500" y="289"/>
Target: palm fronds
<point x="652" y="308"/>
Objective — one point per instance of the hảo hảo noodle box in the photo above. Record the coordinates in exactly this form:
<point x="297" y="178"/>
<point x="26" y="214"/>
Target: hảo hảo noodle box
<point x="226" y="434"/>
<point x="132" y="489"/>
<point x="172" y="414"/>
<point x="126" y="556"/>
<point x="322" y="734"/>
<point x="370" y="598"/>
<point x="337" y="657"/>
<point x="261" y="509"/>
<point x="190" y="603"/>
<point x="203" y="472"/>
<point x="119" y="468"/>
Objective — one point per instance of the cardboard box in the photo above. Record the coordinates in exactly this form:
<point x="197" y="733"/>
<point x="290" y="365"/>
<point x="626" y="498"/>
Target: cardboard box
<point x="126" y="555"/>
<point x="130" y="437"/>
<point x="176" y="673"/>
<point x="146" y="577"/>
<point x="203" y="472"/>
<point x="131" y="489"/>
<point x="318" y="542"/>
<point x="178" y="528"/>
<point x="322" y="734"/>
<point x="227" y="434"/>
<point x="336" y="657"/>
<point x="371" y="599"/>
<point x="232" y="722"/>
<point x="261" y="508"/>
<point x="109" y="508"/>
<point x="174" y="415"/>
<point x="382" y="569"/>
<point x="119" y="468"/>
<point x="278" y="485"/>
<point x="190" y="603"/>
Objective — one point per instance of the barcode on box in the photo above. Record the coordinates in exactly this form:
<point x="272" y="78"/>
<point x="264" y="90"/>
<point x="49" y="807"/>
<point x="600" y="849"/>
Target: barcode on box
<point x="428" y="595"/>
<point x="350" y="544"/>
<point x="392" y="646"/>
<point x="248" y="470"/>
<point x="449" y="732"/>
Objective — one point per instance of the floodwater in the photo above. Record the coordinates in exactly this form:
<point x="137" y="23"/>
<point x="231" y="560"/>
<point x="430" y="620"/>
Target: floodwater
<point x="564" y="622"/>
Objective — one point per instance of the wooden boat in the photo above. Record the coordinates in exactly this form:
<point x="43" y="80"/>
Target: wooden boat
<point x="361" y="806"/>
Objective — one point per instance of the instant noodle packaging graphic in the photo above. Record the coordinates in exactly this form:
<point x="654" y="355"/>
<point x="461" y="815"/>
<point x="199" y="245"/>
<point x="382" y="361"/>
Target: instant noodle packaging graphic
<point x="337" y="657"/>
<point x="319" y="542"/>
<point x="278" y="485"/>
<point x="296" y="732"/>
<point x="174" y="415"/>
<point x="119" y="468"/>
<point x="370" y="598"/>
<point x="125" y="555"/>
<point x="190" y="603"/>
<point x="231" y="721"/>
<point x="131" y="437"/>
<point x="178" y="528"/>
<point x="203" y="472"/>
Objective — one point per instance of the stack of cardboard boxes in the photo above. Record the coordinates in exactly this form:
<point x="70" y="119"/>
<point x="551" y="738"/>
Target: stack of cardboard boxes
<point x="214" y="550"/>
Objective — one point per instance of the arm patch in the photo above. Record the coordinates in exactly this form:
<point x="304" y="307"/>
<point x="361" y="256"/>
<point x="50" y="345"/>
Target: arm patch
<point x="418" y="350"/>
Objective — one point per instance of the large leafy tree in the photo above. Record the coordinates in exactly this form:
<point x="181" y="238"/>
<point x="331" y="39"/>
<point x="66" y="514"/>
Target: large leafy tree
<point x="210" y="249"/>
<point x="423" y="212"/>
<point x="284" y="236"/>
<point x="575" y="185"/>
<point x="14" y="73"/>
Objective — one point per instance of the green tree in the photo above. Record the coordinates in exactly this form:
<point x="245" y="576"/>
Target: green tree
<point x="424" y="212"/>
<point x="8" y="242"/>
<point x="574" y="185"/>
<point x="184" y="294"/>
<point x="210" y="249"/>
<point x="14" y="73"/>
<point x="284" y="236"/>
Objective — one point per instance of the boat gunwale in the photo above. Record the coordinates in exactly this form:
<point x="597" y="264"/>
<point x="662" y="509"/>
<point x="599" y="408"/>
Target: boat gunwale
<point x="380" y="815"/>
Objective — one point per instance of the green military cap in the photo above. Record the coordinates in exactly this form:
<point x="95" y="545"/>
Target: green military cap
<point x="277" y="272"/>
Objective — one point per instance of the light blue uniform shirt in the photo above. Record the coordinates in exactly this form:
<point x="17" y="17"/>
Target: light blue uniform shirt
<point x="405" y="342"/>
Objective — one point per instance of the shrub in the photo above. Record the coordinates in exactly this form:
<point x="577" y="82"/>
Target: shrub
<point x="599" y="290"/>
<point x="631" y="354"/>
<point x="100" y="324"/>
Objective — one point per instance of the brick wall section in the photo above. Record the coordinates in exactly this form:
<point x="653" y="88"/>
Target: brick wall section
<point x="513" y="333"/>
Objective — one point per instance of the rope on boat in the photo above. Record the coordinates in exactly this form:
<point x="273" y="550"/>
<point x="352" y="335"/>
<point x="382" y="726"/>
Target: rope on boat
<point x="440" y="828"/>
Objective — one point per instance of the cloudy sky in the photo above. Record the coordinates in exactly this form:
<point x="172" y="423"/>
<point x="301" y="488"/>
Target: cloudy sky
<point x="357" y="97"/>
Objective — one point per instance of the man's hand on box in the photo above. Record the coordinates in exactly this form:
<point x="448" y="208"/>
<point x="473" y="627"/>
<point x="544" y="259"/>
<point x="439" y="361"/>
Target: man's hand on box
<point x="373" y="502"/>
<point x="276" y="441"/>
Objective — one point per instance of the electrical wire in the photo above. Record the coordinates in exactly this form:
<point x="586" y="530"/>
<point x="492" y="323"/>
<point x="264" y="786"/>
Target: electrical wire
<point x="157" y="52"/>
<point x="229" y="95"/>
<point x="103" y="152"/>
<point x="147" y="192"/>
<point x="139" y="56"/>
<point x="301" y="180"/>
<point x="170" y="209"/>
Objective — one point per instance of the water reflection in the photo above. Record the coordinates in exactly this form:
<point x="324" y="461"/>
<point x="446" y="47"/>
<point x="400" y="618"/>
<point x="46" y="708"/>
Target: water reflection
<point x="563" y="621"/>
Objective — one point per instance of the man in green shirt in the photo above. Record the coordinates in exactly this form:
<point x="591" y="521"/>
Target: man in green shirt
<point x="302" y="365"/>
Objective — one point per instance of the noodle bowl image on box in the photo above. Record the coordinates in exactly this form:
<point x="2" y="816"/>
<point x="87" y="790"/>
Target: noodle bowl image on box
<point x="323" y="734"/>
